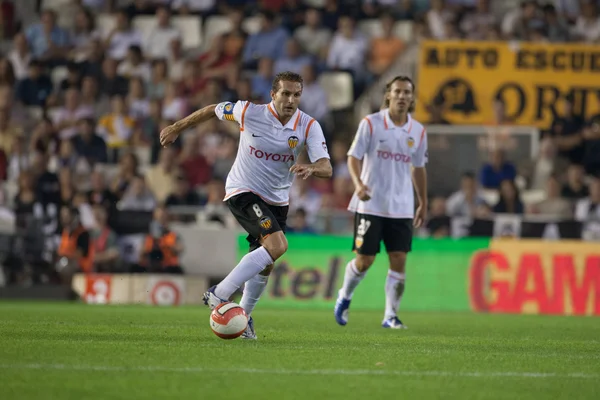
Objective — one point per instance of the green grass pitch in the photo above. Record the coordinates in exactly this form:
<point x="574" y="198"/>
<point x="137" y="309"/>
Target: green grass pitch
<point x="74" y="351"/>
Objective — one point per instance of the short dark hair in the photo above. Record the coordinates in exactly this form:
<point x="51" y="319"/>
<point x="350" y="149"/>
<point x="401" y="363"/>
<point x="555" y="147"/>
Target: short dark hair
<point x="286" y="76"/>
<point x="388" y="87"/>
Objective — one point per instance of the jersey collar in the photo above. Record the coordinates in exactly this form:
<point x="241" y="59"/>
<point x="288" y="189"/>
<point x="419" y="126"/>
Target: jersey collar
<point x="292" y="123"/>
<point x="389" y="124"/>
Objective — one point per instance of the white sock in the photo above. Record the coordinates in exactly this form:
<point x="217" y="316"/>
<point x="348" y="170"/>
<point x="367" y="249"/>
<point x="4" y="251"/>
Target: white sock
<point x="253" y="289"/>
<point x="250" y="265"/>
<point x="351" y="280"/>
<point x="394" y="288"/>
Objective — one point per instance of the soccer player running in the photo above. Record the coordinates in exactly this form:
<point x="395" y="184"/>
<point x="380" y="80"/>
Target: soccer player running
<point x="258" y="185"/>
<point x="388" y="142"/>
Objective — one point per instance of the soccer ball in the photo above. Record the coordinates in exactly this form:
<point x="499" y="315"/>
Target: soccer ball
<point x="228" y="320"/>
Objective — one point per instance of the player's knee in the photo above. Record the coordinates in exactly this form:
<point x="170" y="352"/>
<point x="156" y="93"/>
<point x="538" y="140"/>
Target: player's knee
<point x="363" y="263"/>
<point x="276" y="244"/>
<point x="267" y="271"/>
<point x="397" y="261"/>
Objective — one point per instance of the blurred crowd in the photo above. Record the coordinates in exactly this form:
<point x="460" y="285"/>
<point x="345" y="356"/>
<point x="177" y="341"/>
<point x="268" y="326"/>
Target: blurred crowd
<point x="84" y="94"/>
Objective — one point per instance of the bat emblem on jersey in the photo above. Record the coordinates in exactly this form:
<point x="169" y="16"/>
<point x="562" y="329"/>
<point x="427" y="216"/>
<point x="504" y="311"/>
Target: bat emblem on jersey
<point x="411" y="142"/>
<point x="358" y="242"/>
<point x="265" y="223"/>
<point x="228" y="107"/>
<point x="293" y="142"/>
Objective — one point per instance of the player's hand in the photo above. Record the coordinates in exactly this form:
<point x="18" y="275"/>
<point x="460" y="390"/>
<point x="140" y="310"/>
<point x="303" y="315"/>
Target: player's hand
<point x="420" y="216"/>
<point x="168" y="135"/>
<point x="363" y="192"/>
<point x="302" y="170"/>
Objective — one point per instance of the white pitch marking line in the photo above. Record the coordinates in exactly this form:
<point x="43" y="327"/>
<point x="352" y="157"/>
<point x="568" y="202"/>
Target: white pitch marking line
<point x="107" y="368"/>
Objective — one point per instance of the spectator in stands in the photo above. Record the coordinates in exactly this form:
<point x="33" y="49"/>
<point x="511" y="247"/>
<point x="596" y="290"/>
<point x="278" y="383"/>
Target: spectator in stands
<point x="116" y="128"/>
<point x="348" y="49"/>
<point x="235" y="39"/>
<point x="588" y="209"/>
<point x="225" y="157"/>
<point x="575" y="187"/>
<point x="162" y="246"/>
<point x="265" y="43"/>
<point x="128" y="170"/>
<point x="147" y="129"/>
<point x="183" y="195"/>
<point x="112" y="84"/>
<point x="66" y="186"/>
<point x="385" y="49"/>
<point x="17" y="160"/>
<point x="438" y="223"/>
<point x="437" y="18"/>
<point x="567" y="133"/>
<point x="44" y="138"/>
<point x="517" y="24"/>
<point x="66" y="117"/>
<point x="8" y="132"/>
<point x="91" y="61"/>
<point x="122" y="37"/>
<point x="84" y="34"/>
<point x="47" y="185"/>
<point x="216" y="63"/>
<point x="174" y="105"/>
<point x="88" y="144"/>
<point x="263" y="79"/>
<point x="312" y="36"/>
<point x="7" y="73"/>
<point x="74" y="250"/>
<point x="215" y="209"/>
<point x="175" y="60"/>
<point x="137" y="102"/>
<point x="134" y="65"/>
<point x="591" y="142"/>
<point x="556" y="26"/>
<point x="198" y="7"/>
<point x="331" y="14"/>
<point x="48" y="41"/>
<point x="293" y="60"/>
<point x="497" y="170"/>
<point x="140" y="7"/>
<point x="99" y="193"/>
<point x="538" y="171"/>
<point x="90" y="97"/>
<point x="292" y="14"/>
<point x="20" y="56"/>
<point x="553" y="205"/>
<point x="303" y="196"/>
<point x="314" y="100"/>
<point x="587" y="27"/>
<point x="299" y="223"/>
<point x="510" y="199"/>
<point x="137" y="197"/>
<point x="25" y="199"/>
<point x="159" y="79"/>
<point x="465" y="201"/>
<point x="194" y="165"/>
<point x="476" y="23"/>
<point x="158" y="43"/>
<point x="72" y="80"/>
<point x="161" y="178"/>
<point x="35" y="89"/>
<point x="104" y="243"/>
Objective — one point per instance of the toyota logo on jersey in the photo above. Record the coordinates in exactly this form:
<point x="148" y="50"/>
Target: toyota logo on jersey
<point x="388" y="155"/>
<point x="270" y="156"/>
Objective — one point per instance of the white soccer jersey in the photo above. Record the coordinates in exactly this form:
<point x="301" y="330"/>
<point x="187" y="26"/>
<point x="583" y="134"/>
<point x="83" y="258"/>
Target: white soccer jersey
<point x="268" y="149"/>
<point x="388" y="151"/>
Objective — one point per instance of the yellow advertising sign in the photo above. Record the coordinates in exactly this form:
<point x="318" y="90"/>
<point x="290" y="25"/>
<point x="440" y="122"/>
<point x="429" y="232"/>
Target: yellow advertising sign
<point x="532" y="79"/>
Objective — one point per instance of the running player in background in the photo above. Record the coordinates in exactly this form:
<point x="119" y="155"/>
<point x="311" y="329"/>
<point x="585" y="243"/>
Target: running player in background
<point x="258" y="185"/>
<point x="388" y="143"/>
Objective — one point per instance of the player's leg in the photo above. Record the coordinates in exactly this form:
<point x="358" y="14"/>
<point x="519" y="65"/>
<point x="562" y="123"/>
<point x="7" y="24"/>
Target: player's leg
<point x="397" y="237"/>
<point x="258" y="220"/>
<point x="367" y="237"/>
<point x="255" y="287"/>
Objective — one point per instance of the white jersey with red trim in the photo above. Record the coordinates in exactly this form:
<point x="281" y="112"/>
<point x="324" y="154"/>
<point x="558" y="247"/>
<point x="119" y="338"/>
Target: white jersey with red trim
<point x="388" y="151"/>
<point x="268" y="149"/>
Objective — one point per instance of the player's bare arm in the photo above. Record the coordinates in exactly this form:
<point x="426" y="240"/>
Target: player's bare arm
<point x="172" y="132"/>
<point x="419" y="177"/>
<point x="354" y="167"/>
<point x="320" y="168"/>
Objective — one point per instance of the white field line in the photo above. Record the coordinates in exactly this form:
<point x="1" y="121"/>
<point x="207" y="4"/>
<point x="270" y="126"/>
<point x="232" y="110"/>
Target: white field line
<point x="283" y="371"/>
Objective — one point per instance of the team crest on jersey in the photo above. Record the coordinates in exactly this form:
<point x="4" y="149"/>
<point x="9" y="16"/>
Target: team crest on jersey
<point x="228" y="112"/>
<point x="293" y="142"/>
<point x="358" y="242"/>
<point x="265" y="223"/>
<point x="411" y="142"/>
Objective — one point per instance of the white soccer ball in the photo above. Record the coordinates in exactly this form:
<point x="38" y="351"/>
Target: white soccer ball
<point x="228" y="320"/>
